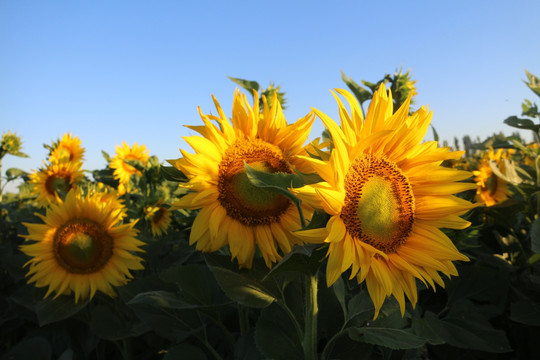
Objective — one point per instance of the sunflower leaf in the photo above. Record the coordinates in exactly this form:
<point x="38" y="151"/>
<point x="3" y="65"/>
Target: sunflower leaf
<point x="244" y="287"/>
<point x="13" y="173"/>
<point x="524" y="124"/>
<point x="173" y="174"/>
<point x="53" y="310"/>
<point x="305" y="259"/>
<point x="466" y="328"/>
<point x="396" y="339"/>
<point x="246" y="84"/>
<point x="275" y="335"/>
<point x="31" y="348"/>
<point x="184" y="351"/>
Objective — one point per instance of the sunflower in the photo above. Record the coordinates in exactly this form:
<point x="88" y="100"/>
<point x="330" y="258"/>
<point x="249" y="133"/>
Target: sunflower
<point x="81" y="248"/>
<point x="55" y="178"/>
<point x="491" y="189"/>
<point x="233" y="211"/>
<point x="159" y="218"/>
<point x="122" y="170"/>
<point x="67" y="149"/>
<point x="387" y="196"/>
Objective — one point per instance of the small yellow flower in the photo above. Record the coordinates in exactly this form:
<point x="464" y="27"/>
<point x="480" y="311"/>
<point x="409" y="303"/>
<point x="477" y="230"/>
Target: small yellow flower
<point x="68" y="149"/>
<point x="54" y="179"/>
<point x="122" y="170"/>
<point x="491" y="189"/>
<point x="81" y="248"/>
<point x="159" y="218"/>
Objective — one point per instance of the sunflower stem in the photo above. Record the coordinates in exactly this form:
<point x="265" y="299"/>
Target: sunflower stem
<point x="243" y="318"/>
<point x="309" y="343"/>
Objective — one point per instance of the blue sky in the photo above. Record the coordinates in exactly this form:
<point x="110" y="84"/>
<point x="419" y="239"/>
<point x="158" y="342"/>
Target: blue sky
<point x="135" y="71"/>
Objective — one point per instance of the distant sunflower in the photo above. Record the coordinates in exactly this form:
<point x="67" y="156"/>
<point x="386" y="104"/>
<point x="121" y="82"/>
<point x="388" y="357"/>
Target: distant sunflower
<point x="491" y="189"/>
<point x="387" y="196"/>
<point x="159" y="218"/>
<point x="122" y="170"/>
<point x="233" y="211"/>
<point x="57" y="177"/>
<point x="67" y="149"/>
<point x="81" y="248"/>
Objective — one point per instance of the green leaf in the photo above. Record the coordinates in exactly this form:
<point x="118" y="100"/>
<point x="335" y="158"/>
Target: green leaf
<point x="52" y="310"/>
<point x="524" y="124"/>
<point x="169" y="300"/>
<point x="141" y="285"/>
<point x="184" y="351"/>
<point x="240" y="286"/>
<point x="13" y="173"/>
<point x="171" y="324"/>
<point x="435" y="134"/>
<point x="305" y="259"/>
<point x="196" y="283"/>
<point x="275" y="335"/>
<point x="276" y="182"/>
<point x="525" y="311"/>
<point x="246" y="84"/>
<point x="245" y="347"/>
<point x="529" y="109"/>
<point x="163" y="299"/>
<point x="479" y="283"/>
<point x="359" y="92"/>
<point x="107" y="324"/>
<point x="173" y="174"/>
<point x="361" y="308"/>
<point x="396" y="339"/>
<point x="422" y="328"/>
<point x="340" y="292"/>
<point x="106" y="156"/>
<point x="534" y="83"/>
<point x="465" y="327"/>
<point x="34" y="348"/>
<point x="535" y="235"/>
<point x="318" y="220"/>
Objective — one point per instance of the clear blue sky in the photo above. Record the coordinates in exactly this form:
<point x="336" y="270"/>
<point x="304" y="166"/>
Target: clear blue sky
<point x="135" y="71"/>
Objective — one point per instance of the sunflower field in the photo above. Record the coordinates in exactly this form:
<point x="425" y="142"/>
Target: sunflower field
<point x="260" y="242"/>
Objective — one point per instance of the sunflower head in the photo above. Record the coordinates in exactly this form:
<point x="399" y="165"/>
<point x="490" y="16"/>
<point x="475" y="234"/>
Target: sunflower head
<point x="81" y="248"/>
<point x="123" y="170"/>
<point x="159" y="218"/>
<point x="54" y="180"/>
<point x="233" y="211"/>
<point x="68" y="148"/>
<point x="387" y="196"/>
<point x="491" y="189"/>
<point x="11" y="144"/>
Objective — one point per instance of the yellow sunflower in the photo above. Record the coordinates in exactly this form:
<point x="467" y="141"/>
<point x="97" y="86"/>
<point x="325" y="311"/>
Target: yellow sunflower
<point x="159" y="218"/>
<point x="491" y="189"/>
<point x="55" y="178"/>
<point x="387" y="195"/>
<point x="81" y="248"/>
<point x="67" y="149"/>
<point x="122" y="170"/>
<point x="233" y="211"/>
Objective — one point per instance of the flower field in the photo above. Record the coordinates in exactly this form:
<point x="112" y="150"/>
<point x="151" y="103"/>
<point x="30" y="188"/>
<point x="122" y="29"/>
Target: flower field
<point x="260" y="242"/>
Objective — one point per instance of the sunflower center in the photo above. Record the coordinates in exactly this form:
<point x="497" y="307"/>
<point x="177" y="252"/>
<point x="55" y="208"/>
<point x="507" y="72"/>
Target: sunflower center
<point x="242" y="200"/>
<point x="57" y="184"/>
<point x="81" y="246"/>
<point x="379" y="203"/>
<point x="491" y="184"/>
